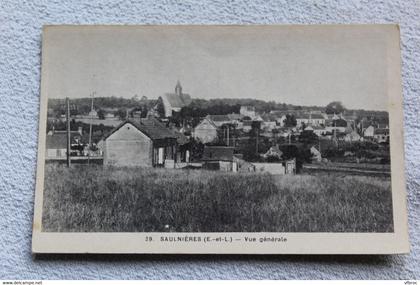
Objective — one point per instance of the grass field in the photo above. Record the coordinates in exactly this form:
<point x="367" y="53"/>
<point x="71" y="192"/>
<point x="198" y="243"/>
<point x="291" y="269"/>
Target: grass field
<point x="96" y="199"/>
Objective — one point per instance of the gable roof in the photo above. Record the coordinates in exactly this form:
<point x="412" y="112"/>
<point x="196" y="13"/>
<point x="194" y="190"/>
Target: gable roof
<point x="218" y="118"/>
<point x="216" y="153"/>
<point x="234" y="116"/>
<point x="312" y="116"/>
<point x="150" y="127"/>
<point x="209" y="121"/>
<point x="274" y="151"/>
<point x="178" y="101"/>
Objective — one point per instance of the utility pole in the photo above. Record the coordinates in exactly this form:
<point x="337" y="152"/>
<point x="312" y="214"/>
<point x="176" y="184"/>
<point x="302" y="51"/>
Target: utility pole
<point x="228" y="135"/>
<point x="68" y="131"/>
<point x="90" y="126"/>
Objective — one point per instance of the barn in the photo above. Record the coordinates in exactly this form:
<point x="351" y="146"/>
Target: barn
<point x="145" y="143"/>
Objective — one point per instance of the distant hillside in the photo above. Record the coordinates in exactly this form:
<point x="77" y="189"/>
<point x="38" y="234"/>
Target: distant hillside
<point x="211" y="106"/>
<point x="83" y="105"/>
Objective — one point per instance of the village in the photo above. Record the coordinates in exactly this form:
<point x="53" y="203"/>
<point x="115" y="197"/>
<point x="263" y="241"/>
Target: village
<point x="172" y="132"/>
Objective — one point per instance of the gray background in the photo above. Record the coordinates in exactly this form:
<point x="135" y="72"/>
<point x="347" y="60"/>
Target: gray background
<point x="20" y="34"/>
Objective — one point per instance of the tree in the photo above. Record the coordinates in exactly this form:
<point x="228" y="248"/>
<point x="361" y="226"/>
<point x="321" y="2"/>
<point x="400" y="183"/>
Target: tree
<point x="335" y="107"/>
<point x="121" y="113"/>
<point x="197" y="149"/>
<point x="160" y="109"/>
<point x="290" y="121"/>
<point x="101" y="114"/>
<point x="301" y="153"/>
<point x="308" y="138"/>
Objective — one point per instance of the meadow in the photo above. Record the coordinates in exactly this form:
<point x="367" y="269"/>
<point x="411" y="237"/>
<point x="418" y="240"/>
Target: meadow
<point x="97" y="199"/>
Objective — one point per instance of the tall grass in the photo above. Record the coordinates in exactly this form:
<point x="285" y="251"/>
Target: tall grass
<point x="96" y="199"/>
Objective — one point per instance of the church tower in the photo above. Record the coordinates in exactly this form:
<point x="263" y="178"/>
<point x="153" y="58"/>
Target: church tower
<point x="178" y="88"/>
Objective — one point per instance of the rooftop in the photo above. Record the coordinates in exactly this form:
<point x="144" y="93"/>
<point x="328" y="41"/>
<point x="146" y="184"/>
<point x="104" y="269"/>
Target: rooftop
<point x="150" y="127"/>
<point x="178" y="101"/>
<point x="219" y="118"/>
<point x="216" y="153"/>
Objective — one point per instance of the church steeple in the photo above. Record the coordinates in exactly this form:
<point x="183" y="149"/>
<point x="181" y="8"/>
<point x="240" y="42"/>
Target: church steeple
<point x="178" y="88"/>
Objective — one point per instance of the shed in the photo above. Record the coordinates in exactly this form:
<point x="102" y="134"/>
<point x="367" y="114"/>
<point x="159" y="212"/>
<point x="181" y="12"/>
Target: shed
<point x="219" y="158"/>
<point x="146" y="142"/>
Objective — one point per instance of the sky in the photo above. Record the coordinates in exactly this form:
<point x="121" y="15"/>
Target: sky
<point x="302" y="65"/>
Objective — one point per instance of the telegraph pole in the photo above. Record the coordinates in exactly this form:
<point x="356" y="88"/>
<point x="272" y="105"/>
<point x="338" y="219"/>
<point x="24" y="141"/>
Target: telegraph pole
<point x="68" y="131"/>
<point x="90" y="127"/>
<point x="228" y="135"/>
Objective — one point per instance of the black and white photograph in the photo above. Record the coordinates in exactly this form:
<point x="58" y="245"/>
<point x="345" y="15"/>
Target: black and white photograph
<point x="221" y="129"/>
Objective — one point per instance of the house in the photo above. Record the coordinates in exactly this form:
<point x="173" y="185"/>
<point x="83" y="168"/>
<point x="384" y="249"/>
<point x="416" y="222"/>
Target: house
<point x="145" y="143"/>
<point x="56" y="144"/>
<point x="273" y="152"/>
<point x="93" y="114"/>
<point x="173" y="102"/>
<point x="316" y="154"/>
<point x="219" y="158"/>
<point x="280" y="120"/>
<point x="278" y="116"/>
<point x="315" y="119"/>
<point x="137" y="114"/>
<point x="219" y="120"/>
<point x="247" y="126"/>
<point x="235" y="118"/>
<point x="248" y="111"/>
<point x="243" y="166"/>
<point x="338" y="126"/>
<point x="381" y="135"/>
<point x="318" y="130"/>
<point x="352" y="137"/>
<point x="109" y="116"/>
<point x="369" y="132"/>
<point x="205" y="131"/>
<point x="269" y="122"/>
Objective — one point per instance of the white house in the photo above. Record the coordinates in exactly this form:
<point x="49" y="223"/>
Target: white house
<point x="352" y="137"/>
<point x="248" y="111"/>
<point x="316" y="154"/>
<point x="369" y="132"/>
<point x="318" y="130"/>
<point x="310" y="119"/>
<point x="205" y="131"/>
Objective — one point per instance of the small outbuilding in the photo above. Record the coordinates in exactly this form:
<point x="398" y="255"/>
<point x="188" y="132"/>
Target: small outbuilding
<point x="219" y="158"/>
<point x="145" y="143"/>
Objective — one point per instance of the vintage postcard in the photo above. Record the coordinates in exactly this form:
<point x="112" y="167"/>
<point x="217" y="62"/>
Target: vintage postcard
<point x="263" y="139"/>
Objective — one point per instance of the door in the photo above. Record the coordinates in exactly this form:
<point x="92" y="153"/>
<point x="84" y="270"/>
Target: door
<point x="161" y="152"/>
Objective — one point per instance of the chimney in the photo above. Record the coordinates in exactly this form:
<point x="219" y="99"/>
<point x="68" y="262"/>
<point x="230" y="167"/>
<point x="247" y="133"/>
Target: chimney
<point x="80" y="130"/>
